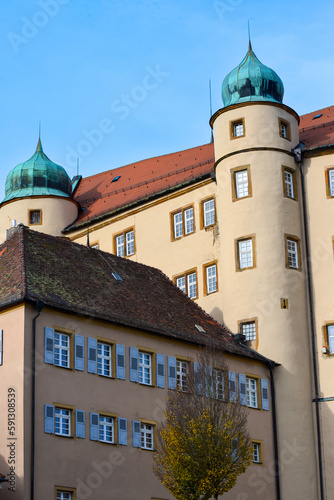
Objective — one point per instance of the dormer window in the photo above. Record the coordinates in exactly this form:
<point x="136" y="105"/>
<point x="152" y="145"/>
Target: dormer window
<point x="35" y="217"/>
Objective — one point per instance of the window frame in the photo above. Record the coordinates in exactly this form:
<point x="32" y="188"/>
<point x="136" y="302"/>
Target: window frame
<point x="328" y="183"/>
<point x="206" y="278"/>
<point x="153" y="424"/>
<point x="186" y="275"/>
<point x="260" y="452"/>
<point x="251" y="342"/>
<point x="30" y="212"/>
<point x="326" y="336"/>
<point x="287" y="125"/>
<point x="125" y="242"/>
<point x="293" y="239"/>
<point x="233" y="124"/>
<point x="114" y="426"/>
<point x="182" y="376"/>
<point x="112" y="346"/>
<point x="237" y="241"/>
<point x="234" y="171"/>
<point x="293" y="174"/>
<point x="142" y="365"/>
<point x="64" y="489"/>
<point x="71" y="419"/>
<point x="203" y="225"/>
<point x="183" y="212"/>
<point x="257" y="391"/>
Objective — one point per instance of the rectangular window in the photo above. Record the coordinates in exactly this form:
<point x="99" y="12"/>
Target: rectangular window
<point x="241" y="182"/>
<point x="104" y="352"/>
<point x="292" y="251"/>
<point x="284" y="129"/>
<point x="289" y="183"/>
<point x="329" y="177"/>
<point x="124" y="243"/>
<point x="329" y="338"/>
<point x="182" y="375"/>
<point x="237" y="128"/>
<point x="251" y="392"/>
<point x="210" y="283"/>
<point x="106" y="429"/>
<point x="188" y="284"/>
<point x="183" y="222"/>
<point x="62" y="350"/>
<point x="62" y="422"/>
<point x="208" y="212"/>
<point x="245" y="253"/>
<point x="145" y="368"/>
<point x="218" y="383"/>
<point x="65" y="494"/>
<point x="248" y="330"/>
<point x="35" y="217"/>
<point x="146" y="436"/>
<point x="257" y="452"/>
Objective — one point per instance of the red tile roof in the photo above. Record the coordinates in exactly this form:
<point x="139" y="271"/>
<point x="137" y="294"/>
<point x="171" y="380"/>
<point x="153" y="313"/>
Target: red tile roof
<point x="79" y="280"/>
<point x="103" y="194"/>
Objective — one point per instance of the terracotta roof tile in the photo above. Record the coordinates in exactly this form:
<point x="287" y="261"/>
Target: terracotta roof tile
<point x="316" y="129"/>
<point x="78" y="279"/>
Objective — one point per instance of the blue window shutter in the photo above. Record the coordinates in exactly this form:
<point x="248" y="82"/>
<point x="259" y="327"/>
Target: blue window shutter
<point x="133" y="364"/>
<point x="171" y="362"/>
<point x="122" y="431"/>
<point x="120" y="361"/>
<point x="136" y="437"/>
<point x="79" y="423"/>
<point x="161" y="371"/>
<point x="232" y="386"/>
<point x="49" y="335"/>
<point x="79" y="352"/>
<point x="264" y="394"/>
<point x="94" y="426"/>
<point x="208" y="381"/>
<point x="198" y="377"/>
<point x="92" y="355"/>
<point x="49" y="411"/>
<point x="242" y="389"/>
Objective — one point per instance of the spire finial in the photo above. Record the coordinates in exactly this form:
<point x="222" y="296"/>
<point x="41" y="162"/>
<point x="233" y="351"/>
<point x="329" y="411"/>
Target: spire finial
<point x="210" y="108"/>
<point x="39" y="144"/>
<point x="249" y="38"/>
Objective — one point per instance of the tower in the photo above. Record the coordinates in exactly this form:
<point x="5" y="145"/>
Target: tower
<point x="39" y="195"/>
<point x="264" y="284"/>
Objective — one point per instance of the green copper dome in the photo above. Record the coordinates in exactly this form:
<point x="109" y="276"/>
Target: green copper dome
<point x="38" y="176"/>
<point x="252" y="81"/>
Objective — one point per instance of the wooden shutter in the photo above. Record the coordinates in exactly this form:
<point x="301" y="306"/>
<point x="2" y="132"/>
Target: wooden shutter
<point x="79" y="352"/>
<point x="92" y="355"/>
<point x="79" y="423"/>
<point x="49" y="334"/>
<point x="120" y="361"/>
<point x="49" y="411"/>
<point x="133" y="364"/>
<point x="160" y="370"/>
<point x="242" y="389"/>
<point x="122" y="431"/>
<point x="171" y="361"/>
<point x="136" y="436"/>
<point x="232" y="386"/>
<point x="264" y="394"/>
<point x="94" y="426"/>
<point x="198" y="379"/>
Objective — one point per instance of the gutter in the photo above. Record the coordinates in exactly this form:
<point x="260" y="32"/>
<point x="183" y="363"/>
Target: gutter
<point x="39" y="307"/>
<point x="297" y="151"/>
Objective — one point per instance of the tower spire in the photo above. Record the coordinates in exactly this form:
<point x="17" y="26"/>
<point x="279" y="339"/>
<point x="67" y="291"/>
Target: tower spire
<point x="39" y="147"/>
<point x="249" y="39"/>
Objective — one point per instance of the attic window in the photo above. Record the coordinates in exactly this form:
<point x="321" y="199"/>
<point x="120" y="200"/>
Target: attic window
<point x="116" y="178"/>
<point x="317" y="116"/>
<point x="200" y="328"/>
<point x="116" y="276"/>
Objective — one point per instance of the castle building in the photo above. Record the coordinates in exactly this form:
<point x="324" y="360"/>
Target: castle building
<point x="244" y="227"/>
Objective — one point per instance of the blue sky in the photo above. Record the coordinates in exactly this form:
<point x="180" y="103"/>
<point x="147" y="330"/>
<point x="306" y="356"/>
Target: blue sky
<point x="116" y="81"/>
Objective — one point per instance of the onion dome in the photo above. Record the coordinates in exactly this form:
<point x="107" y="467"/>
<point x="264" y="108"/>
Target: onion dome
<point x="38" y="176"/>
<point x="252" y="81"/>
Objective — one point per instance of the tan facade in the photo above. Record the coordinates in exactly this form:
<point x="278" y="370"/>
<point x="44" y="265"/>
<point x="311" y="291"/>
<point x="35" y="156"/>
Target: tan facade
<point x="92" y="468"/>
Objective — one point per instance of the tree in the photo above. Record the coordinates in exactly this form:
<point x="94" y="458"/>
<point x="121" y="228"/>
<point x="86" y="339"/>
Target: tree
<point x="203" y="444"/>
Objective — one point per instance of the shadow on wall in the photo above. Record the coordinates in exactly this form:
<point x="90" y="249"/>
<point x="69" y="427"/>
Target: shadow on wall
<point x="218" y="315"/>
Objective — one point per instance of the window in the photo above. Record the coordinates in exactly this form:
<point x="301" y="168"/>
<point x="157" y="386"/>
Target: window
<point x="248" y="329"/>
<point x="289" y="183"/>
<point x="329" y="177"/>
<point x="245" y="258"/>
<point x="124" y="243"/>
<point x="237" y="128"/>
<point x="63" y="493"/>
<point x="62" y="349"/>
<point x="106" y="429"/>
<point x="104" y="359"/>
<point x="146" y="436"/>
<point x="35" y="217"/>
<point x="257" y="452"/>
<point x="182" y="368"/>
<point x="188" y="284"/>
<point x="251" y="392"/>
<point x="145" y="368"/>
<point x="208" y="213"/>
<point x="218" y="383"/>
<point x="292" y="252"/>
<point x="284" y="129"/>
<point x="62" y="422"/>
<point x="95" y="245"/>
<point x="210" y="278"/>
<point x="182" y="222"/>
<point x="329" y="338"/>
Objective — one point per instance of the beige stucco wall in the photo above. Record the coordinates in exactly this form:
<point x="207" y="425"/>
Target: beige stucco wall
<point x="57" y="213"/>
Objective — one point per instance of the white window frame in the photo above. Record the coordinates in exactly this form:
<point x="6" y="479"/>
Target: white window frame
<point x="145" y="367"/>
<point x="130" y="242"/>
<point x="120" y="245"/>
<point x="106" y="429"/>
<point x="292" y="250"/>
<point x="330" y="338"/>
<point x="189" y="220"/>
<point x="219" y="383"/>
<point x="211" y="278"/>
<point x="182" y="371"/>
<point x="256" y="453"/>
<point x="248" y="329"/>
<point x="331" y="182"/>
<point x="64" y="495"/>
<point x="241" y="183"/>
<point x="104" y="359"/>
<point x="288" y="180"/>
<point x="147" y="436"/>
<point x="62" y="343"/>
<point x="187" y="283"/>
<point x="245" y="253"/>
<point x="125" y="243"/>
<point x="209" y="212"/>
<point x="238" y="128"/>
<point x="251" y="392"/>
<point x="63" y="422"/>
<point x="183" y="222"/>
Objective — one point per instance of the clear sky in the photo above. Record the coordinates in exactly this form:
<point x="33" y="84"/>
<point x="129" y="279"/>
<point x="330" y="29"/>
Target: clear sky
<point x="116" y="81"/>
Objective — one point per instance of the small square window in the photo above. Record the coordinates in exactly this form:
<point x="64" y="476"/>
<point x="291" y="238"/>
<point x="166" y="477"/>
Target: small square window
<point x="188" y="284"/>
<point x="35" y="217"/>
<point x="284" y="129"/>
<point x="124" y="243"/>
<point x="249" y="330"/>
<point x="237" y="128"/>
<point x="245" y="253"/>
